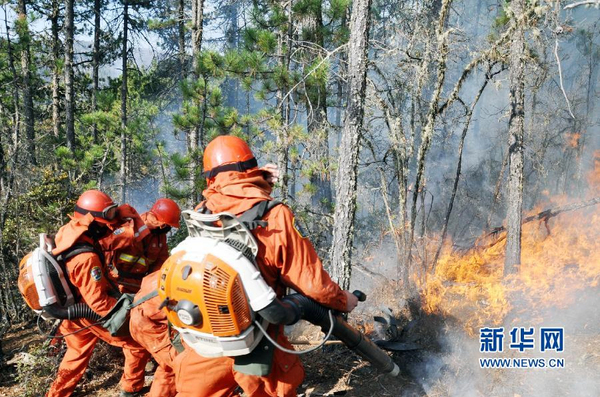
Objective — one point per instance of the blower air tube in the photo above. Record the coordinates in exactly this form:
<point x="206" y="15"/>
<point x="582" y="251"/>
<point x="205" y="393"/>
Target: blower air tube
<point x="78" y="310"/>
<point x="292" y="308"/>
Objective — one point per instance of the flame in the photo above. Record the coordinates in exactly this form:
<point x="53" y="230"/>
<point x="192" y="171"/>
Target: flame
<point x="560" y="259"/>
<point x="572" y="139"/>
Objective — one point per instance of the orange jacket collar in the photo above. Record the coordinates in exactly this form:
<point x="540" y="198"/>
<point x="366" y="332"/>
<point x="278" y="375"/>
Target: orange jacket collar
<point x="71" y="232"/>
<point x="237" y="192"/>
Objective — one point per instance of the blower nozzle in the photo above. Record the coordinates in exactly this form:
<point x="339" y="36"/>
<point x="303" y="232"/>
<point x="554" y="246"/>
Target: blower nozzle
<point x="292" y="308"/>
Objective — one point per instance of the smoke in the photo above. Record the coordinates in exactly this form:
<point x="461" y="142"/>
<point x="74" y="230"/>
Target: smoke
<point x="455" y="371"/>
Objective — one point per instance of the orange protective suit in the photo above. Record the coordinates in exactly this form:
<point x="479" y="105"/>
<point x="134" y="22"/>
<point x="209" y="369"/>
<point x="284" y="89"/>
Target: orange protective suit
<point x="130" y="265"/>
<point x="285" y="259"/>
<point x="87" y="274"/>
<point x="148" y="326"/>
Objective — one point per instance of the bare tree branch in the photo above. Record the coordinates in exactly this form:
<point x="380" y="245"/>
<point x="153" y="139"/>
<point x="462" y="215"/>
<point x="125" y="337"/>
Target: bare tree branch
<point x="560" y="77"/>
<point x="583" y="3"/>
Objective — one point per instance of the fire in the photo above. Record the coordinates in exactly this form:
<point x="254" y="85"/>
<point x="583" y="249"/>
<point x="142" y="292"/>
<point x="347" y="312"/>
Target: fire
<point x="560" y="261"/>
<point x="572" y="139"/>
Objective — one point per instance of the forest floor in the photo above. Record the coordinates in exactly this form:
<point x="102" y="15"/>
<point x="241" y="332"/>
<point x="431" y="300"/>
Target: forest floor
<point x="331" y="371"/>
<point x="446" y="364"/>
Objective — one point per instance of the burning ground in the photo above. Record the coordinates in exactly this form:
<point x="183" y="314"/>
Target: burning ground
<point x="556" y="286"/>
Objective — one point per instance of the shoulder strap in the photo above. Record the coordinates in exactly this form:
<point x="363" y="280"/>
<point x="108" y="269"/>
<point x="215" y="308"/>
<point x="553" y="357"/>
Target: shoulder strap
<point x="77" y="249"/>
<point x="253" y="217"/>
<point x="144" y="298"/>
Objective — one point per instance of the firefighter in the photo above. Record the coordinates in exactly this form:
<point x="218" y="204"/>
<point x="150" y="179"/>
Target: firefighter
<point x="148" y="326"/>
<point x="98" y="222"/>
<point x="129" y="266"/>
<point x="286" y="258"/>
<point x="148" y="323"/>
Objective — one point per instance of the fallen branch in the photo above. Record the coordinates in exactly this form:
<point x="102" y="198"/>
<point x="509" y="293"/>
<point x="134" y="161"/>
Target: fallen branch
<point x="583" y="3"/>
<point x="370" y="273"/>
<point x="560" y="78"/>
<point x="541" y="216"/>
<point x="549" y="213"/>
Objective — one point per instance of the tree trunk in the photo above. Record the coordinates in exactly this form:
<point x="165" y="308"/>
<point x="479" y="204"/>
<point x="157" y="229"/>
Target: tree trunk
<point x="123" y="173"/>
<point x="96" y="63"/>
<point x="230" y="85"/>
<point x="69" y="90"/>
<point x="15" y="92"/>
<point x="516" y="127"/>
<point x="432" y="113"/>
<point x="197" y="29"/>
<point x="345" y="209"/>
<point x="195" y="140"/>
<point x="283" y="105"/>
<point x="317" y="126"/>
<point x="56" y="44"/>
<point x="25" y="38"/>
<point x="181" y="34"/>
<point x="461" y="146"/>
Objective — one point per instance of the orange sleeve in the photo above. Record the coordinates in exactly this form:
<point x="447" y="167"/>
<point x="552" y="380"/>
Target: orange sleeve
<point x="86" y="272"/>
<point x="301" y="268"/>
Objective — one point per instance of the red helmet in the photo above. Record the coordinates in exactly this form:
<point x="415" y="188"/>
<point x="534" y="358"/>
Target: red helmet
<point x="100" y="205"/>
<point x="227" y="153"/>
<point x="167" y="211"/>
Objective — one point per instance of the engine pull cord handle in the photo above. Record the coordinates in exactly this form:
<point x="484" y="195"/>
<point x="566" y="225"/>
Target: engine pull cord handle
<point x="360" y="295"/>
<point x="298" y="352"/>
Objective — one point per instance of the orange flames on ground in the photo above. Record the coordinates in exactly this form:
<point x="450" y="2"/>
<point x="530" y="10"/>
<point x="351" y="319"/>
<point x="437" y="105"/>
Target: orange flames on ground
<point x="572" y="139"/>
<point x="560" y="260"/>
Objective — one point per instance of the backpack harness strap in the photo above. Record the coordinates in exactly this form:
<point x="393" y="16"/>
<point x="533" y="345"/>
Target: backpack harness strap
<point x="252" y="218"/>
<point x="81" y="248"/>
<point x="75" y="250"/>
<point x="144" y="299"/>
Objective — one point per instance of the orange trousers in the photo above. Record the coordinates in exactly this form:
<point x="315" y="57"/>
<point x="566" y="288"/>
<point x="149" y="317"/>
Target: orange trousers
<point x="198" y="376"/>
<point x="163" y="384"/>
<point x="80" y="346"/>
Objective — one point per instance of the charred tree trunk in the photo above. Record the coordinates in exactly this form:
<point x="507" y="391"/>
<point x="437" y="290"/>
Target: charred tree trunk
<point x="516" y="126"/>
<point x="124" y="58"/>
<point x="345" y="209"/>
<point x="69" y="89"/>
<point x="96" y="63"/>
<point x="55" y="68"/>
<point x="442" y="55"/>
<point x="25" y="38"/>
<point x="461" y="146"/>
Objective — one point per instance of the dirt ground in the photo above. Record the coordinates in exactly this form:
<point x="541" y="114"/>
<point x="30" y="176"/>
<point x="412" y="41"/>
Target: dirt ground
<point x="330" y="371"/>
<point x="445" y="364"/>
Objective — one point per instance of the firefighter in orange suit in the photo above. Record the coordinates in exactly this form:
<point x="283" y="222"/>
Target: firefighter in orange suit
<point x="98" y="222"/>
<point x="129" y="266"/>
<point x="148" y="326"/>
<point x="285" y="258"/>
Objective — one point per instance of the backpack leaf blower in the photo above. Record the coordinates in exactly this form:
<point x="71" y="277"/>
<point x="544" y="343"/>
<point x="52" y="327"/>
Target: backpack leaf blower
<point x="217" y="299"/>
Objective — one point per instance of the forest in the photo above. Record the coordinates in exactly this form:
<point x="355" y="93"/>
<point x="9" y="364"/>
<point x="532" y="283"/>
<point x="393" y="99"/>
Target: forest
<point x="443" y="156"/>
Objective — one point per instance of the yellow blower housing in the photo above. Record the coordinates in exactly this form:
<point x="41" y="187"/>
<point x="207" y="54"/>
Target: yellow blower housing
<point x="218" y="304"/>
<point x="211" y="288"/>
<point x="26" y="284"/>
